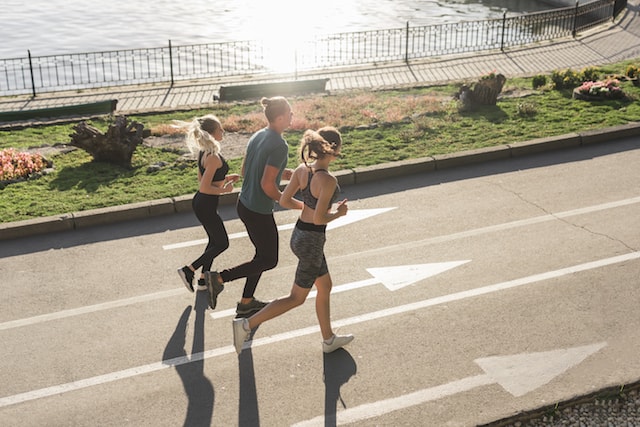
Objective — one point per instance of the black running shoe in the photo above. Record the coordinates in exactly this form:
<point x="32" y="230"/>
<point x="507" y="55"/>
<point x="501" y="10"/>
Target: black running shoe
<point x="253" y="307"/>
<point x="186" y="275"/>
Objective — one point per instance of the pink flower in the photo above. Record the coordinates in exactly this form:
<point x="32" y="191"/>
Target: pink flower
<point x="605" y="89"/>
<point x="19" y="164"/>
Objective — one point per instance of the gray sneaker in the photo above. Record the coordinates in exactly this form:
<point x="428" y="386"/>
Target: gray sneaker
<point x="240" y="334"/>
<point x="214" y="287"/>
<point x="337" y="342"/>
<point x="250" y="308"/>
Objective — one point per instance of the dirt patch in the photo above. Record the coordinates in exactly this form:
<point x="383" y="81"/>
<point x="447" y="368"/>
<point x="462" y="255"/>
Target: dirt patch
<point x="517" y="93"/>
<point x="233" y="144"/>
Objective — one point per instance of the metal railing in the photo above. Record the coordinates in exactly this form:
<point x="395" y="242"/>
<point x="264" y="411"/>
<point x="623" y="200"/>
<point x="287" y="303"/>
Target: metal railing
<point x="190" y="62"/>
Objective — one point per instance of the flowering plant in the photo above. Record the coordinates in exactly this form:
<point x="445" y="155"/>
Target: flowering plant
<point x="604" y="89"/>
<point x="15" y="164"/>
<point x="490" y="75"/>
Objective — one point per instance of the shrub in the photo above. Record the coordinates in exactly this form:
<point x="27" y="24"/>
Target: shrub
<point x="526" y="109"/>
<point x="632" y="71"/>
<point x="565" y="79"/>
<point x="490" y="75"/>
<point x="590" y="74"/>
<point x="539" y="81"/>
<point x="14" y="165"/>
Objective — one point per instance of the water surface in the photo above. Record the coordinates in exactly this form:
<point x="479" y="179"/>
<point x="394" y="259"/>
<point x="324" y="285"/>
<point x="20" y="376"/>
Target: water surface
<point x="48" y="27"/>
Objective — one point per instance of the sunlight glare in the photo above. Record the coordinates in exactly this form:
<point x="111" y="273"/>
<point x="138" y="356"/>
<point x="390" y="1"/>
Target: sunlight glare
<point x="283" y="26"/>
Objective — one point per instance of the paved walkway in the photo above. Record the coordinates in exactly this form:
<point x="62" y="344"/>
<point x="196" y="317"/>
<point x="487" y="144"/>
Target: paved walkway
<point x="606" y="44"/>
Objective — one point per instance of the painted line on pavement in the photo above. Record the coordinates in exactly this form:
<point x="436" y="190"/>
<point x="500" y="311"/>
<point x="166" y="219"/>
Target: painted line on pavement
<point x="499" y="227"/>
<point x="128" y="373"/>
<point x="90" y="309"/>
<point x="469" y="233"/>
<point x="517" y="374"/>
<point x="355" y="215"/>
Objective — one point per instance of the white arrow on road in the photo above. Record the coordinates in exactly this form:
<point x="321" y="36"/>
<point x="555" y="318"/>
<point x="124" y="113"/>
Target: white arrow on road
<point x="354" y="215"/>
<point x="364" y="317"/>
<point x="393" y="278"/>
<point x="518" y="374"/>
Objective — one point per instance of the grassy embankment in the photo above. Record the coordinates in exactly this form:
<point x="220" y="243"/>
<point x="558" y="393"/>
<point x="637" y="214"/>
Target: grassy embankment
<point x="377" y="127"/>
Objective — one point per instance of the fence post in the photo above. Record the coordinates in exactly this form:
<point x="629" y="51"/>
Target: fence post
<point x="575" y="20"/>
<point x="504" y="24"/>
<point x="406" y="45"/>
<point x="171" y="62"/>
<point x="33" y="84"/>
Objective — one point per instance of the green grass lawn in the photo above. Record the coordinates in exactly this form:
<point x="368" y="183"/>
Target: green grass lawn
<point x="377" y="127"/>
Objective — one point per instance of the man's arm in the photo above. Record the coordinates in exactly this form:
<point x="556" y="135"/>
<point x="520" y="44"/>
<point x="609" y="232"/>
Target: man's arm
<point x="268" y="182"/>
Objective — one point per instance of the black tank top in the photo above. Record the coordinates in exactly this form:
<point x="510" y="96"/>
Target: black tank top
<point x="309" y="200"/>
<point x="220" y="173"/>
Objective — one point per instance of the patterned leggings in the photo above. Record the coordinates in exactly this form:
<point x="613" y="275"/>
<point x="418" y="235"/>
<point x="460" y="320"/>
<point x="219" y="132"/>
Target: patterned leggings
<point x="307" y="243"/>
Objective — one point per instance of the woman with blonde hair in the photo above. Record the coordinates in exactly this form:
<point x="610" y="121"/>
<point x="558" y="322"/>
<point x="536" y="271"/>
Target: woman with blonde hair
<point x="203" y="140"/>
<point x="319" y="189"/>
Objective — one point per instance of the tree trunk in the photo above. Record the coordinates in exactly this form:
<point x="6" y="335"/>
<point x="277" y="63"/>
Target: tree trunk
<point x="486" y="91"/>
<point x="116" y="146"/>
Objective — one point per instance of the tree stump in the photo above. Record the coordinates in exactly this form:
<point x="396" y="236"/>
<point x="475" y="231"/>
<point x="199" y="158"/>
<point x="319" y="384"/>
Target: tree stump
<point x="486" y="91"/>
<point x="115" y="146"/>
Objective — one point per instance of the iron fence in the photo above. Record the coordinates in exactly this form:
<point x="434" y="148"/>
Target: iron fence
<point x="189" y="62"/>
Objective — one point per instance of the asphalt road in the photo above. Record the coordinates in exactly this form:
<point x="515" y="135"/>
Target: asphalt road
<point x="473" y="293"/>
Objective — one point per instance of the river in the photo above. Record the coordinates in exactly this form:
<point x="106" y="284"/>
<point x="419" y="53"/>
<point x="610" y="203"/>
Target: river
<point x="51" y="27"/>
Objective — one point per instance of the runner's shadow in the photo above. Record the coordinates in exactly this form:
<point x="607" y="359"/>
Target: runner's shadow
<point x="249" y="412"/>
<point x="339" y="367"/>
<point x="198" y="388"/>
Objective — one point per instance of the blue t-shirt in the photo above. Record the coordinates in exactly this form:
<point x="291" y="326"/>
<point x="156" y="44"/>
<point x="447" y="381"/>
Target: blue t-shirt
<point x="265" y="147"/>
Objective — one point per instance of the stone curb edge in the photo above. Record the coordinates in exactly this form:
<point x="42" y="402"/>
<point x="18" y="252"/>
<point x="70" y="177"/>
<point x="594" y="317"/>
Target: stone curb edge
<point x="361" y="175"/>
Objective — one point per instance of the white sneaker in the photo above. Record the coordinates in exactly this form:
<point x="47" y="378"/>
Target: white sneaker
<point x="338" y="341"/>
<point x="240" y="334"/>
<point x="201" y="286"/>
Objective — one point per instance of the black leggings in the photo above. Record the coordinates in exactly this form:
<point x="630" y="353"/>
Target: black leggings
<point x="263" y="233"/>
<point x="205" y="206"/>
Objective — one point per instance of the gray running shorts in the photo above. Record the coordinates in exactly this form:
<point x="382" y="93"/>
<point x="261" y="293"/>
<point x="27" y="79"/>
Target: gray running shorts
<point x="308" y="246"/>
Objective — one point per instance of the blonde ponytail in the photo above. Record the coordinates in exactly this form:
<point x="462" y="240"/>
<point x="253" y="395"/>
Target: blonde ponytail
<point x="199" y="133"/>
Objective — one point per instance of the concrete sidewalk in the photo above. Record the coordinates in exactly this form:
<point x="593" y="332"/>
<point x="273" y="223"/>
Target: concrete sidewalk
<point x="615" y="42"/>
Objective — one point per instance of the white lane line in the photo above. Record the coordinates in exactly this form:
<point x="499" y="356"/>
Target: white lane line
<point x="334" y="290"/>
<point x="393" y="278"/>
<point x="355" y="215"/>
<point x="392" y="311"/>
<point x="90" y="309"/>
<point x="499" y="227"/>
<point x="518" y="374"/>
<point x="403" y="246"/>
<point x="383" y="407"/>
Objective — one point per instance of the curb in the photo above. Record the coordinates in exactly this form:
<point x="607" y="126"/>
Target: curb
<point x="360" y="175"/>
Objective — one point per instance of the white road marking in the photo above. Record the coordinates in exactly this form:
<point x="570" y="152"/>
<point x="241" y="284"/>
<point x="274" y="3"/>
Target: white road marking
<point x="500" y="227"/>
<point x="404" y="246"/>
<point x="128" y="373"/>
<point x="354" y="215"/>
<point x="517" y="374"/>
<point x="392" y="278"/>
<point x="141" y="299"/>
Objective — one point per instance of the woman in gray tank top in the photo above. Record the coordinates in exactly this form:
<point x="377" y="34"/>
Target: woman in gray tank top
<point x="319" y="189"/>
